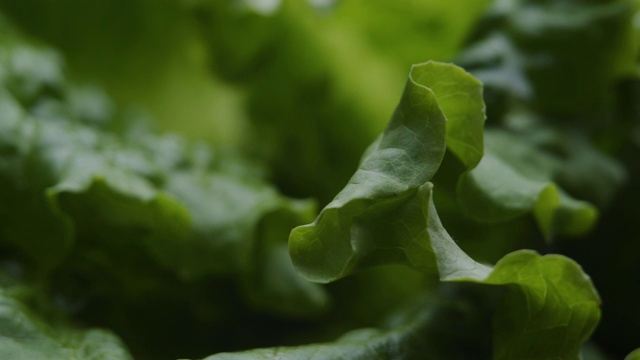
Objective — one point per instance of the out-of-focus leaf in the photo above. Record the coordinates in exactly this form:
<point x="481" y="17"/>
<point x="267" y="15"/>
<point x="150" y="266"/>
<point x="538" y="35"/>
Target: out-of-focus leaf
<point x="514" y="178"/>
<point x="541" y="53"/>
<point x="30" y="71"/>
<point x="271" y="281"/>
<point x="26" y="336"/>
<point x="552" y="37"/>
<point x="592" y="352"/>
<point x="590" y="173"/>
<point x="421" y="330"/>
<point x="20" y="181"/>
<point x="129" y="229"/>
<point x="634" y="355"/>
<point x="316" y="110"/>
<point x="543" y="83"/>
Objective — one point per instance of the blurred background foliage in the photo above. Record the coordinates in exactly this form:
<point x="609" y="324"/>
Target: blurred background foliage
<point x="305" y="86"/>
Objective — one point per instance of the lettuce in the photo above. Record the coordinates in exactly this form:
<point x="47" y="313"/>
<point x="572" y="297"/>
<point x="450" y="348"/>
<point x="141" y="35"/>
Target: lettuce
<point x="466" y="230"/>
<point x="152" y="204"/>
<point x="27" y="336"/>
<point x="386" y="214"/>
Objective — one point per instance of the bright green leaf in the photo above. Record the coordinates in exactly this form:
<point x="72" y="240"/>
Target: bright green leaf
<point x="380" y="199"/>
<point x="550" y="309"/>
<point x="459" y="95"/>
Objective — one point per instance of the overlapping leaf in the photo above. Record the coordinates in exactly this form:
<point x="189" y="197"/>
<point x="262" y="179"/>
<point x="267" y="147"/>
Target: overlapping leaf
<point x="513" y="178"/>
<point x="195" y="211"/>
<point x="321" y="113"/>
<point x="543" y="84"/>
<point x="386" y="215"/>
<point x="140" y="220"/>
<point x="376" y="218"/>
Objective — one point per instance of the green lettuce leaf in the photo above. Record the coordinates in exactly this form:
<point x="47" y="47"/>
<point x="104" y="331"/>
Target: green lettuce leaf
<point x="551" y="303"/>
<point x="514" y="178"/>
<point x="459" y="96"/>
<point x="181" y="248"/>
<point x="543" y="307"/>
<point x="548" y="298"/>
<point x="195" y="211"/>
<point x="27" y="336"/>
<point x="386" y="214"/>
<point x="381" y="195"/>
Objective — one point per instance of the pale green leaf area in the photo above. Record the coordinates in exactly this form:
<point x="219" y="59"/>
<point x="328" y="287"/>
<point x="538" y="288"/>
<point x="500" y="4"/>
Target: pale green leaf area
<point x="460" y="98"/>
<point x="25" y="336"/>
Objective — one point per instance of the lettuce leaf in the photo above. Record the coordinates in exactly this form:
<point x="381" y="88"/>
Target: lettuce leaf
<point x="380" y="199"/>
<point x="121" y="214"/>
<point x="386" y="214"/>
<point x="25" y="335"/>
<point x="512" y="179"/>
<point x="547" y="90"/>
<point x="180" y="247"/>
<point x="534" y="315"/>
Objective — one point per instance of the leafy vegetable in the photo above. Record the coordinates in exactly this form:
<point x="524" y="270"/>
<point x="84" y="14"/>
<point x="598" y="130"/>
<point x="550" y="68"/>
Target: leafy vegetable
<point x="25" y="336"/>
<point x="523" y="185"/>
<point x="99" y="195"/>
<point x="385" y="214"/>
<point x="465" y="232"/>
<point x="386" y="183"/>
